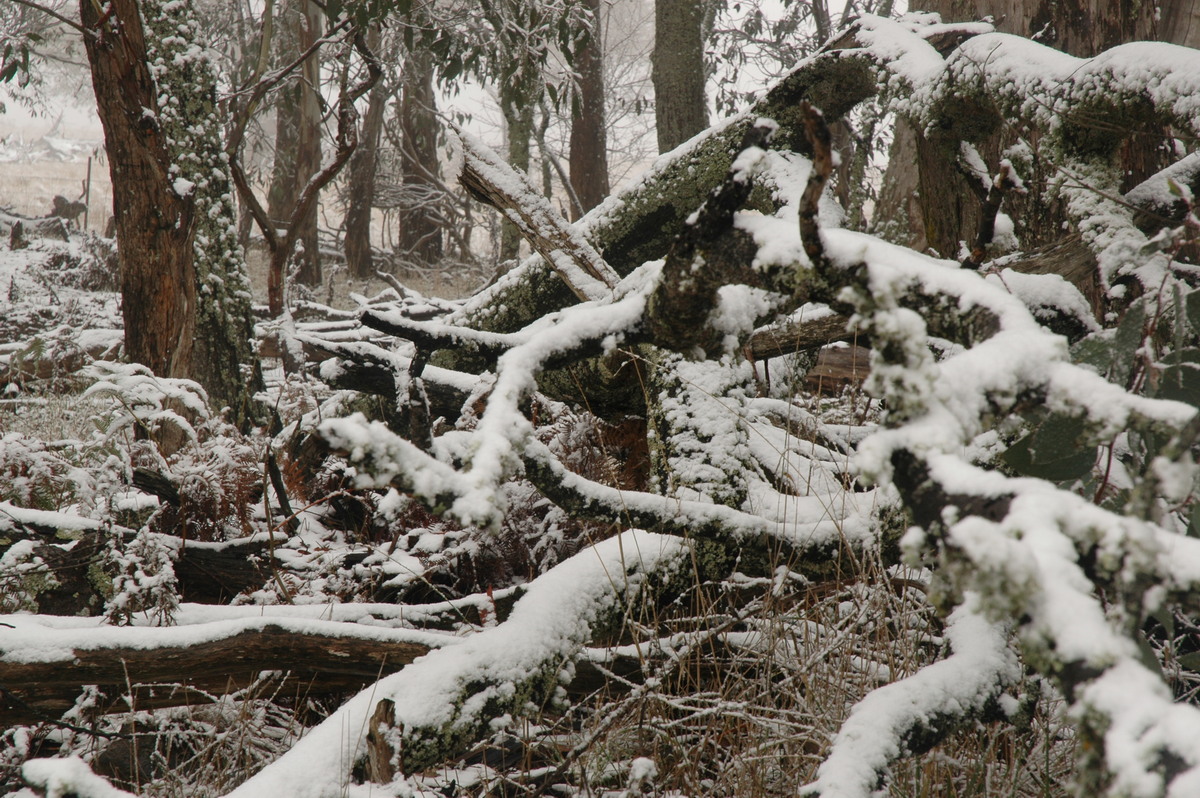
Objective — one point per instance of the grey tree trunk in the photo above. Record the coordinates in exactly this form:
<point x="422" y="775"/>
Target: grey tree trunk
<point x="518" y="118"/>
<point x="677" y="71"/>
<point x="298" y="135"/>
<point x="362" y="179"/>
<point x="420" y="234"/>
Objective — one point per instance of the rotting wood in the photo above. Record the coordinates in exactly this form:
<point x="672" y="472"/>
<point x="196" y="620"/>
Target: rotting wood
<point x="381" y="767"/>
<point x="319" y="663"/>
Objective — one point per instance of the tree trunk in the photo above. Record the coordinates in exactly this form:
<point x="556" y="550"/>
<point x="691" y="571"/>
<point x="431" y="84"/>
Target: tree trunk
<point x="420" y="234"/>
<point x="677" y="71"/>
<point x="518" y="118"/>
<point x="927" y="200"/>
<point x="297" y="140"/>
<point x="1180" y="23"/>
<point x="154" y="223"/>
<point x="589" y="142"/>
<point x="362" y="180"/>
<point x="223" y="359"/>
<point x="308" y="146"/>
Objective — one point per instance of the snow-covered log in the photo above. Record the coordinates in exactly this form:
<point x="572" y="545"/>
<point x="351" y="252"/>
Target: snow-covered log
<point x="640" y="223"/>
<point x="445" y="701"/>
<point x="45" y="663"/>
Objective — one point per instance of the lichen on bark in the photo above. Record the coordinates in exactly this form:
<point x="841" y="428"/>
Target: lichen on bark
<point x="223" y="358"/>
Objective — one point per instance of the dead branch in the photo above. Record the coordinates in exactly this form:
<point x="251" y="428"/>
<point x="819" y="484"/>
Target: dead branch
<point x="799" y="336"/>
<point x="1004" y="182"/>
<point x="568" y="253"/>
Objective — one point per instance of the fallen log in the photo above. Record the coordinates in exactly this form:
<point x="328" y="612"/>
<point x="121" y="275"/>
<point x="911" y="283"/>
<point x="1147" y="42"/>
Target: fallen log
<point x="43" y="668"/>
<point x="641" y="223"/>
<point x="68" y="546"/>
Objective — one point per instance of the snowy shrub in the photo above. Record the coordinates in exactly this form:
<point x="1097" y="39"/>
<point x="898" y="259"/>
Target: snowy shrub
<point x="41" y="475"/>
<point x="88" y="263"/>
<point x="143" y="580"/>
<point x="163" y="408"/>
<point x="23" y="574"/>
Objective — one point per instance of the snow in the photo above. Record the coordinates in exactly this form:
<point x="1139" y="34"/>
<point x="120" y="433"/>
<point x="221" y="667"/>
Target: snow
<point x="51" y="640"/>
<point x="69" y="777"/>
<point x="548" y="625"/>
<point x="1015" y="567"/>
<point x="979" y="668"/>
<point x="1157" y="191"/>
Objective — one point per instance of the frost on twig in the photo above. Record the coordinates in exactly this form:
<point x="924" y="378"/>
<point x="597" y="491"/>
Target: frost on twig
<point x="1023" y="549"/>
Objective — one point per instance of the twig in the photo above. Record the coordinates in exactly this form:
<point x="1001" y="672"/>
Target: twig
<point x="1006" y="180"/>
<point x="391" y="280"/>
<point x="52" y="13"/>
<point x="487" y="178"/>
<point x="12" y="698"/>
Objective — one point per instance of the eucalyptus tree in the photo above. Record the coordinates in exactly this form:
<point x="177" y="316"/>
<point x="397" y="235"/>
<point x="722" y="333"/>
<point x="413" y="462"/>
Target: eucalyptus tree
<point x="185" y="291"/>
<point x="511" y="46"/>
<point x="680" y="104"/>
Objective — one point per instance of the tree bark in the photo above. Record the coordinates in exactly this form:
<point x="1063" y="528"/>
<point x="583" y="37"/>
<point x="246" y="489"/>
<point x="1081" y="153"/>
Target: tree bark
<point x="517" y="104"/>
<point x="361" y="182"/>
<point x="154" y="223"/>
<point x="344" y="659"/>
<point x="297" y="140"/>
<point x="926" y="200"/>
<point x="224" y="361"/>
<point x="589" y="140"/>
<point x="420" y="233"/>
<point x="677" y="71"/>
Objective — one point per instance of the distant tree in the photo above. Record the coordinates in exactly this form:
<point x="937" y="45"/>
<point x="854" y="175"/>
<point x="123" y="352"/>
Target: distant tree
<point x="680" y="108"/>
<point x="589" y="140"/>
<point x="355" y="59"/>
<point x="419" y="237"/>
<point x="360" y="177"/>
<point x="508" y="44"/>
<point x="298" y="133"/>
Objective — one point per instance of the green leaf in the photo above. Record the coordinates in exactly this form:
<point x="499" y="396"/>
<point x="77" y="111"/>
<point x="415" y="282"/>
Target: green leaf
<point x="1191" y="304"/>
<point x="1095" y="351"/>
<point x="1147" y="655"/>
<point x="1180" y="380"/>
<point x="1055" y="450"/>
<point x="1127" y="342"/>
<point x="1193" y="529"/>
